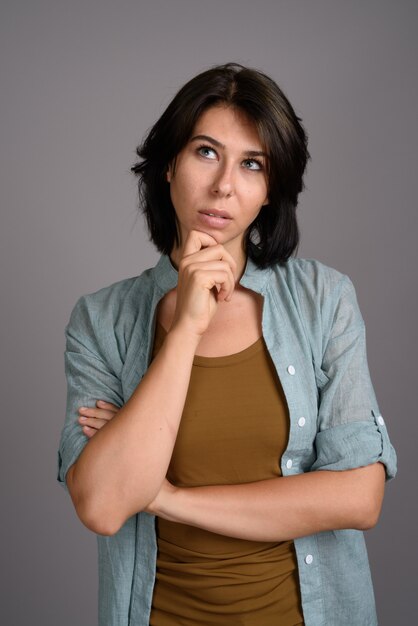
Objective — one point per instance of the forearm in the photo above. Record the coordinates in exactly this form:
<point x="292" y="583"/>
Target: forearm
<point x="121" y="469"/>
<point x="281" y="509"/>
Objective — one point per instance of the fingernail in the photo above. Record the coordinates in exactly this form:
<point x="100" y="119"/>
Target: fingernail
<point x="82" y="418"/>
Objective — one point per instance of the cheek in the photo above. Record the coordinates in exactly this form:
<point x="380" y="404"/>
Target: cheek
<point x="183" y="192"/>
<point x="256" y="197"/>
<point x="263" y="198"/>
<point x="253" y="186"/>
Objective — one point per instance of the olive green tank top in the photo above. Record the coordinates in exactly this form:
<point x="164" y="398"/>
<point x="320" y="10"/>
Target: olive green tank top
<point x="234" y="429"/>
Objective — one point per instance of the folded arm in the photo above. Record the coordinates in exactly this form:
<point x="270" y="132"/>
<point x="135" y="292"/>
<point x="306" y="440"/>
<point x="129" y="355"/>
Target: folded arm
<point x="279" y="509"/>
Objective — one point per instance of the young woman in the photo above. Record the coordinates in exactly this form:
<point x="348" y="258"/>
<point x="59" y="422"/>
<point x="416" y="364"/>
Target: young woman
<point x="222" y="435"/>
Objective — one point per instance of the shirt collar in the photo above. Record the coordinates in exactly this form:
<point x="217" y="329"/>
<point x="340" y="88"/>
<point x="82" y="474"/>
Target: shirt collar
<point x="254" y="278"/>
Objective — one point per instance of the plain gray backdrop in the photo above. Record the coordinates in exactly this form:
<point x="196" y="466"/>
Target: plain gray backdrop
<point x="81" y="82"/>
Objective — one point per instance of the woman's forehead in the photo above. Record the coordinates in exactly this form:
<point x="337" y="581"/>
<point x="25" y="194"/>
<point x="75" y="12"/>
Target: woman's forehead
<point x="228" y="123"/>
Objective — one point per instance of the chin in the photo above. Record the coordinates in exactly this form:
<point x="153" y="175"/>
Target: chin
<point x="215" y="235"/>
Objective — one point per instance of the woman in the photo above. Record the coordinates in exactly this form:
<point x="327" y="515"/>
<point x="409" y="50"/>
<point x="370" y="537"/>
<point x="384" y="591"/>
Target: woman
<point x="243" y="452"/>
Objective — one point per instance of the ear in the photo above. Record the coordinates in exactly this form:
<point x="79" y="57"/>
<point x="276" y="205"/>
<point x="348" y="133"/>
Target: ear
<point x="169" y="173"/>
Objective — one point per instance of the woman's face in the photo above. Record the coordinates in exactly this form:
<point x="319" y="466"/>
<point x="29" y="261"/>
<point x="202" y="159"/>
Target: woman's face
<point x="220" y="171"/>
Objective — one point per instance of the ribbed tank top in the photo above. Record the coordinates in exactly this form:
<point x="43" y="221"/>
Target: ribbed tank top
<point x="234" y="429"/>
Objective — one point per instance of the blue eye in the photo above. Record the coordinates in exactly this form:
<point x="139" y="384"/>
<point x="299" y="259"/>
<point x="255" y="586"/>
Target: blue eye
<point x="207" y="152"/>
<point x="252" y="164"/>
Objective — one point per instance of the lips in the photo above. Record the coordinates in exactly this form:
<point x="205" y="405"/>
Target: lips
<point x="214" y="219"/>
<point x="216" y="213"/>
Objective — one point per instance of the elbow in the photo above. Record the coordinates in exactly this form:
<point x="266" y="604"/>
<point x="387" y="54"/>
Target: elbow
<point x="97" y="518"/>
<point x="91" y="514"/>
<point x="369" y="520"/>
<point x="370" y="496"/>
<point x="369" y="514"/>
<point x="97" y="522"/>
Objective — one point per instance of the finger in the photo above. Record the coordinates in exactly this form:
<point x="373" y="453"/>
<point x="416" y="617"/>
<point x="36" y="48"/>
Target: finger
<point x="211" y="278"/>
<point x="107" y="405"/>
<point x="97" y="413"/>
<point x="89" y="432"/>
<point x="210" y="264"/>
<point x="213" y="253"/>
<point x="93" y="422"/>
<point x="196" y="240"/>
<point x="224" y="288"/>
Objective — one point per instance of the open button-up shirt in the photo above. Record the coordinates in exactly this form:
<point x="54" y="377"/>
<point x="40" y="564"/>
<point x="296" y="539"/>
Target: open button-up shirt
<point x="315" y="334"/>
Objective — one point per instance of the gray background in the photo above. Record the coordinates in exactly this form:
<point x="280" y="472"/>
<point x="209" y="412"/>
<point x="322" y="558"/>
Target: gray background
<point x="81" y="82"/>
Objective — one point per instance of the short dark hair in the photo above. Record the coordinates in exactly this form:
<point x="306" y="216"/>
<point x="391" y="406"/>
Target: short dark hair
<point x="274" y="235"/>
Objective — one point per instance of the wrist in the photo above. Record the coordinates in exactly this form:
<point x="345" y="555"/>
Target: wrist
<point x="183" y="338"/>
<point x="165" y="504"/>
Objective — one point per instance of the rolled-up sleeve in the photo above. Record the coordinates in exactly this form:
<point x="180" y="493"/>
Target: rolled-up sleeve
<point x="351" y="430"/>
<point x="89" y="378"/>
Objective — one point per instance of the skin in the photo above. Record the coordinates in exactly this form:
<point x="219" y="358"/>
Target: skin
<point x="215" y="173"/>
<point x="209" y="176"/>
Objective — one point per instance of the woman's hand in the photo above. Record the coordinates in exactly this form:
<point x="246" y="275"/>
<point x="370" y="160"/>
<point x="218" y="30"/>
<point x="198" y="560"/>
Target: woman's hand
<point x="94" y="418"/>
<point x="206" y="277"/>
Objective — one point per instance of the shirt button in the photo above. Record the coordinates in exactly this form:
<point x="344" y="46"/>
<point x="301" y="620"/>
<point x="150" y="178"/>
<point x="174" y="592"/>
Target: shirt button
<point x="291" y="370"/>
<point x="380" y="420"/>
<point x="289" y="464"/>
<point x="301" y="422"/>
<point x="308" y="559"/>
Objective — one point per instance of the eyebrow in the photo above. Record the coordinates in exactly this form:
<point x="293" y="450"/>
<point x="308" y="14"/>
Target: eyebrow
<point x="218" y="144"/>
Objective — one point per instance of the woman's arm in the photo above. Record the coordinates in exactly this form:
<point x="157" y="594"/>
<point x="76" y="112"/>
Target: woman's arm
<point x="121" y="469"/>
<point x="279" y="509"/>
<point x="313" y="502"/>
<point x="322" y="500"/>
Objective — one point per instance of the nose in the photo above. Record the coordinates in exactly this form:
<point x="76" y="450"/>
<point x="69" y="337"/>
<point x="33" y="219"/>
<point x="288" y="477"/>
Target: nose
<point x="223" y="184"/>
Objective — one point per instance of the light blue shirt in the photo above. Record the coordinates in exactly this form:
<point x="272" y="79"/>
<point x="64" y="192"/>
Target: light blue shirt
<point x="315" y="334"/>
